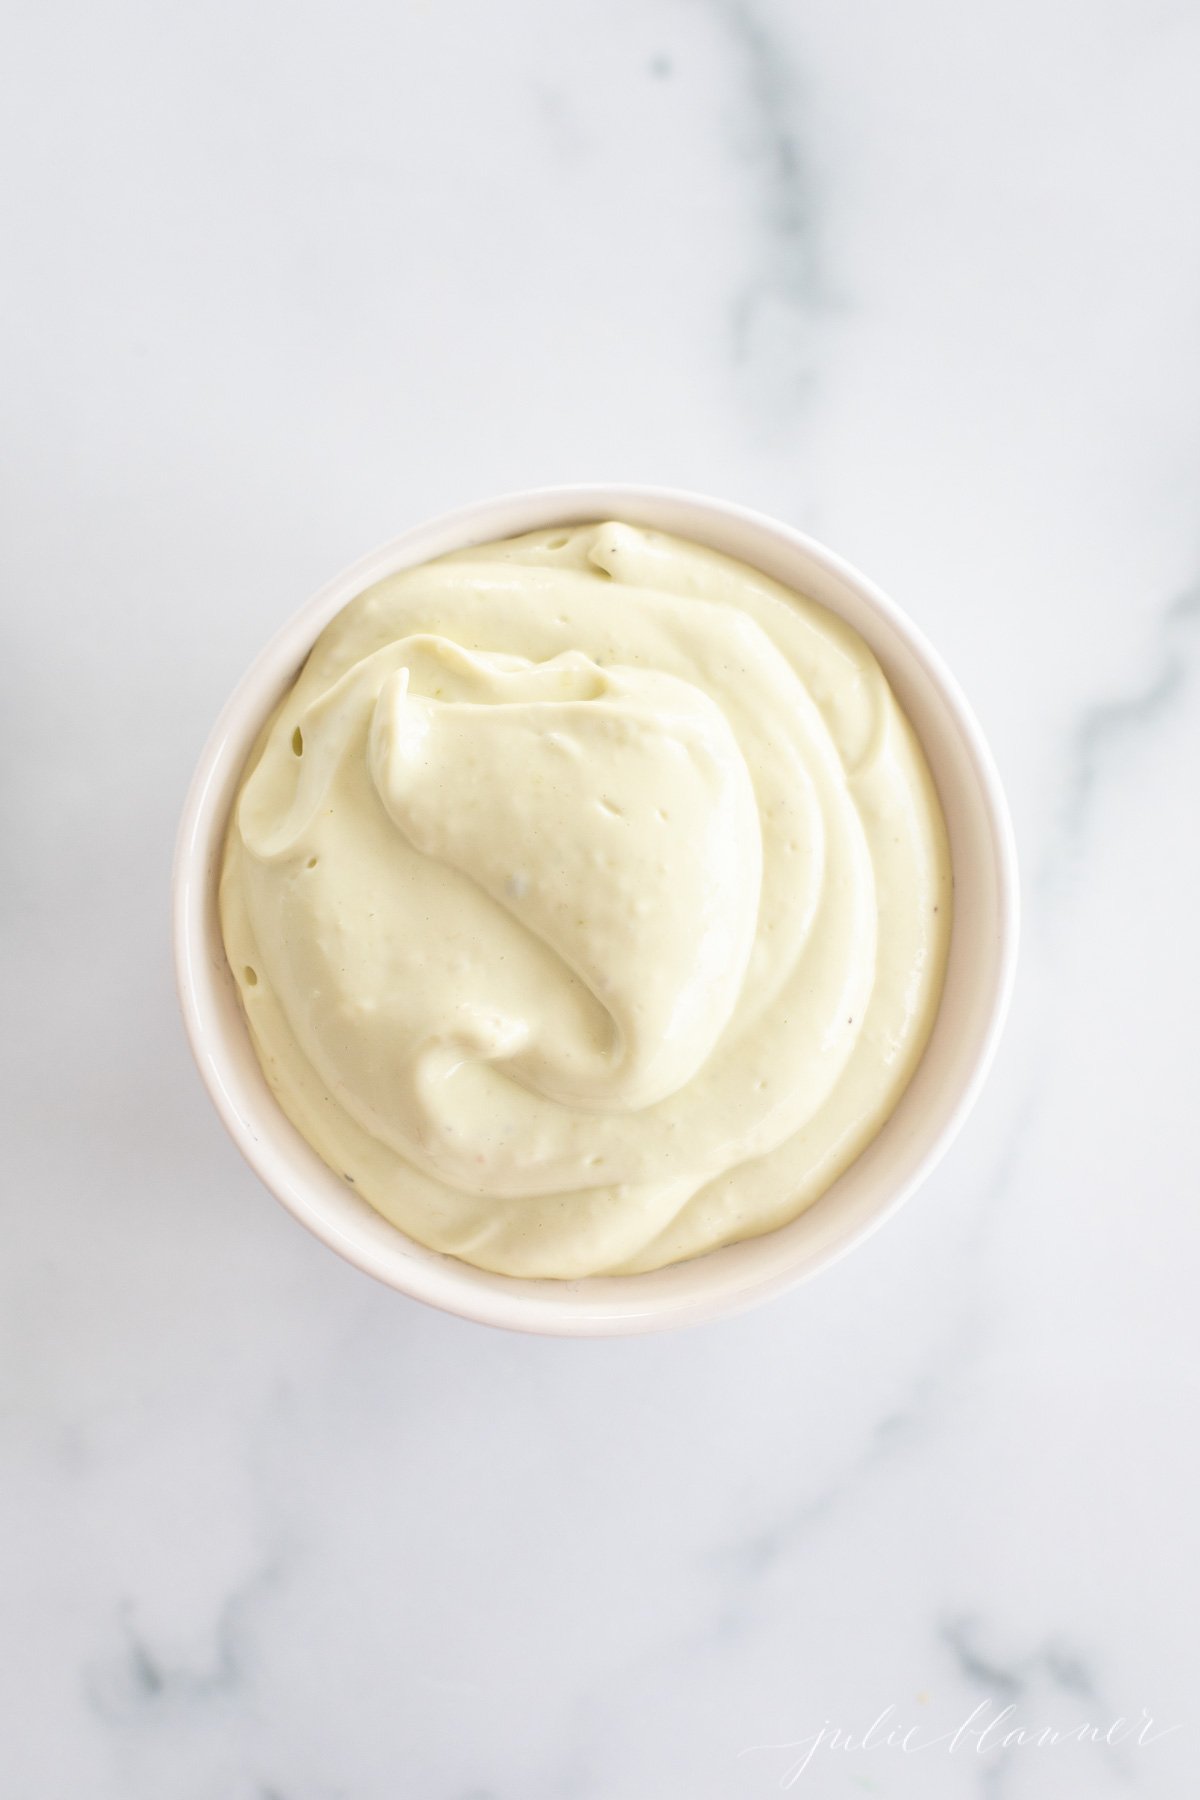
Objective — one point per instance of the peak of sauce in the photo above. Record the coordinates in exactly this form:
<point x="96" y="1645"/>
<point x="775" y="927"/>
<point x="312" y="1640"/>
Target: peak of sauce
<point x="589" y="900"/>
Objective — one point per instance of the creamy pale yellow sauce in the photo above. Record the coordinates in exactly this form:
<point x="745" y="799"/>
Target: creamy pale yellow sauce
<point x="589" y="900"/>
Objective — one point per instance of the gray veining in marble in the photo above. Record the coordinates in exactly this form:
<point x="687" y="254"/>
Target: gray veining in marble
<point x="1109" y="729"/>
<point x="138" y="1679"/>
<point x="783" y="296"/>
<point x="1054" y="1675"/>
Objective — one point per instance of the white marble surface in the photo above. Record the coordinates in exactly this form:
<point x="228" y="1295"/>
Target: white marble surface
<point x="924" y="279"/>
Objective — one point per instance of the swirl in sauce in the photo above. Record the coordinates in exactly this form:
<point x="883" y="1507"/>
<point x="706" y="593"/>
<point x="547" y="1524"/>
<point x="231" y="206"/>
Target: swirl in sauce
<point x="589" y="901"/>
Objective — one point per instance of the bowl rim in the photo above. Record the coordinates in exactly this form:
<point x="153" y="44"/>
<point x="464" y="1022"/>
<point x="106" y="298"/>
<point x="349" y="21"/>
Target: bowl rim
<point x="516" y="1302"/>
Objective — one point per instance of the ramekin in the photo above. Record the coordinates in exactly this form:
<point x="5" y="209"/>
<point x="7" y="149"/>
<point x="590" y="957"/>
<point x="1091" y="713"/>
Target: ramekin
<point x="979" y="974"/>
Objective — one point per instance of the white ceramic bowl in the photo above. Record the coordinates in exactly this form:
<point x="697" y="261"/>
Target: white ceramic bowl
<point x="978" y="979"/>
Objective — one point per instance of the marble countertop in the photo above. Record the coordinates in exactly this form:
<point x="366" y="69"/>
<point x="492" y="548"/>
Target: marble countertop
<point x="922" y="279"/>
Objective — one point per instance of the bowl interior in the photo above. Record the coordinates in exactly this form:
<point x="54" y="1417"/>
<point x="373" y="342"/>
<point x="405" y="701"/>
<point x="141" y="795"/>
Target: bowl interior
<point x="978" y="976"/>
